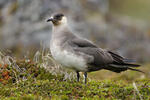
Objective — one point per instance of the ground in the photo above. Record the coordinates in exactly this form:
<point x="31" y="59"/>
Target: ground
<point x="25" y="79"/>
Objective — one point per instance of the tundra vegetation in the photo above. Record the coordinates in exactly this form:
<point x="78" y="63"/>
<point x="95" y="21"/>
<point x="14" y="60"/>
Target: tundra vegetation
<point x="41" y="78"/>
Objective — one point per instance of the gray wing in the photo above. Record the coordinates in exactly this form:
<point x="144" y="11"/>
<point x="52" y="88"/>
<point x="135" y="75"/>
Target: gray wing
<point x="101" y="57"/>
<point x="83" y="43"/>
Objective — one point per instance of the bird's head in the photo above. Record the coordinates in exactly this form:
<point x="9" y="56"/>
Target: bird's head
<point x="57" y="19"/>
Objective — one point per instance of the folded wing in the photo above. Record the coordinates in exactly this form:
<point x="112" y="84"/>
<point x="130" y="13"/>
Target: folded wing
<point x="103" y="59"/>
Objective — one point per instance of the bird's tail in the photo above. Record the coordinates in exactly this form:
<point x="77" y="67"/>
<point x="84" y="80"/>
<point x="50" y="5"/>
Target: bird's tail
<point x="121" y="64"/>
<point x="120" y="68"/>
<point x="127" y="64"/>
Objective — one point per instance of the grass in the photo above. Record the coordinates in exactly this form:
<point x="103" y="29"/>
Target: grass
<point x="41" y="78"/>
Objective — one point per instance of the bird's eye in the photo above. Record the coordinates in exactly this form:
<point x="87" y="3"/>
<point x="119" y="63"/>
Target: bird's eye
<point x="58" y="16"/>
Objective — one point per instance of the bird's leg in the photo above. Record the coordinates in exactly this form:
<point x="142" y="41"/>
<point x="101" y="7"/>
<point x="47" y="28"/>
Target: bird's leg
<point x="78" y="76"/>
<point x="85" y="77"/>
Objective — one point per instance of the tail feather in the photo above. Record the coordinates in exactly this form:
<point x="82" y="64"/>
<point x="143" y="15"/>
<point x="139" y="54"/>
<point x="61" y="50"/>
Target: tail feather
<point x="118" y="68"/>
<point x="127" y="64"/>
<point x="136" y="70"/>
<point x="121" y="64"/>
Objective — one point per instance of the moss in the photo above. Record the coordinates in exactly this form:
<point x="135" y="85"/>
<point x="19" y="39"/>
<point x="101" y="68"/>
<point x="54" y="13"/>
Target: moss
<point x="29" y="81"/>
<point x="65" y="90"/>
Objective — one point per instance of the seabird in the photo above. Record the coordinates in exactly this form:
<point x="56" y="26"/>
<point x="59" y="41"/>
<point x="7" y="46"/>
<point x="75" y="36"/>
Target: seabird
<point x="81" y="55"/>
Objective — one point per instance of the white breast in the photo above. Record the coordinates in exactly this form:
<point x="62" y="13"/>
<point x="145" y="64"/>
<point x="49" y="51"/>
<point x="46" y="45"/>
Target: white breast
<point x="68" y="59"/>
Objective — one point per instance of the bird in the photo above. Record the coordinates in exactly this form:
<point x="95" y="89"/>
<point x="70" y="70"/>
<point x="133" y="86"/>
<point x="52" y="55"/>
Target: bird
<point x="80" y="54"/>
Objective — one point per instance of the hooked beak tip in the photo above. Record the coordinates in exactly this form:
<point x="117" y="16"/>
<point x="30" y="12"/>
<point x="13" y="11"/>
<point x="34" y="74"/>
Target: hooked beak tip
<point x="50" y="19"/>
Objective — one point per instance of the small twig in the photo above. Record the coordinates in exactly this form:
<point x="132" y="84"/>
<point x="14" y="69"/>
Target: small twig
<point x="135" y="87"/>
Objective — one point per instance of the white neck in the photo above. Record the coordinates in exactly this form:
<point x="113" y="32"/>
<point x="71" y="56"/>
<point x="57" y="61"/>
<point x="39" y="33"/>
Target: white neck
<point x="61" y="30"/>
<point x="64" y="21"/>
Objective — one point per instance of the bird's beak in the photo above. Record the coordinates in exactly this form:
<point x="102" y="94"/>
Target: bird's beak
<point x="50" y="19"/>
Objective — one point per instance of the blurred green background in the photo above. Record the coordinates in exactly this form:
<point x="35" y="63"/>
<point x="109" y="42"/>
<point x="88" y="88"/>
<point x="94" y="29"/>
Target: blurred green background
<point x="138" y="9"/>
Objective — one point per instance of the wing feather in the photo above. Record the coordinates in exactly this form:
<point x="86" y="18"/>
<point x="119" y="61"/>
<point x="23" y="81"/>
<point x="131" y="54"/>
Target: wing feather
<point x="83" y="43"/>
<point x="102" y="59"/>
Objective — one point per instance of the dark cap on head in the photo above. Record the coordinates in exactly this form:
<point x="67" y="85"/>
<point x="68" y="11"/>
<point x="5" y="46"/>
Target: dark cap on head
<point x="56" y="17"/>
